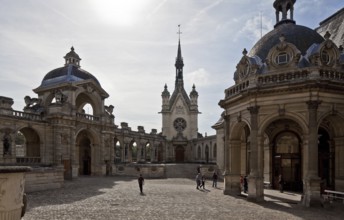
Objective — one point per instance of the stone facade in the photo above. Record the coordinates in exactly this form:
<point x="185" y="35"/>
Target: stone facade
<point x="284" y="115"/>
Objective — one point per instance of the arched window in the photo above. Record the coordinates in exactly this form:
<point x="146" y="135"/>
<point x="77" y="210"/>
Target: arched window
<point x="214" y="151"/>
<point x="148" y="152"/>
<point x="199" y="153"/>
<point x="117" y="152"/>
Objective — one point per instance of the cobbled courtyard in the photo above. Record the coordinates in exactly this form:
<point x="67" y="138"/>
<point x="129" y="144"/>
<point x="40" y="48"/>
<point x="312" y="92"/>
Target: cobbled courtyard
<point x="119" y="198"/>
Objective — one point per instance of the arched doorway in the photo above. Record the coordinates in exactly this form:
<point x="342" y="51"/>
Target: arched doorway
<point x="325" y="160"/>
<point x="179" y="152"/>
<point x="286" y="160"/>
<point x="85" y="156"/>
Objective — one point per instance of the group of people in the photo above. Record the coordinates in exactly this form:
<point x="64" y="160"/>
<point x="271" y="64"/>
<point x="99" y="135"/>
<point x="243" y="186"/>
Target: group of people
<point x="200" y="180"/>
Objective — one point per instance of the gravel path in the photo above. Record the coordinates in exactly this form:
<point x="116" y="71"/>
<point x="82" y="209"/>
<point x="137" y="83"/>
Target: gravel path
<point x="119" y="198"/>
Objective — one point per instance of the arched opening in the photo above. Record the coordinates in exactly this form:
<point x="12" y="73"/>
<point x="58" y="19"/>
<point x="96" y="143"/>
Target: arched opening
<point x="6" y="142"/>
<point x="85" y="153"/>
<point x="20" y="144"/>
<point x="133" y="147"/>
<point x="207" y="154"/>
<point x="179" y="152"/>
<point x="199" y="153"/>
<point x="117" y="151"/>
<point x="30" y="142"/>
<point x="286" y="160"/>
<point x="87" y="109"/>
<point x="160" y="155"/>
<point x="148" y="152"/>
<point x="325" y="160"/>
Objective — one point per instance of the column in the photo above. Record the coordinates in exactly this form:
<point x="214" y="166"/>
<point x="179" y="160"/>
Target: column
<point x="339" y="163"/>
<point x="226" y="177"/>
<point x="255" y="179"/>
<point x="311" y="182"/>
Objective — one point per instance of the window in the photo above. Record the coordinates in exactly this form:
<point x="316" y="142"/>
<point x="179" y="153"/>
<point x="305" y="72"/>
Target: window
<point x="282" y="58"/>
<point x="325" y="57"/>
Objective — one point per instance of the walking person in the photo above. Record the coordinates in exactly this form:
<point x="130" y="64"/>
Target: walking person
<point x="203" y="182"/>
<point x="215" y="179"/>
<point x="241" y="183"/>
<point x="141" y="182"/>
<point x="198" y="180"/>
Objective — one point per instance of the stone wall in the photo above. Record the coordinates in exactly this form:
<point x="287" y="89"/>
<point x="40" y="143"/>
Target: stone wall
<point x="147" y="170"/>
<point x="43" y="178"/>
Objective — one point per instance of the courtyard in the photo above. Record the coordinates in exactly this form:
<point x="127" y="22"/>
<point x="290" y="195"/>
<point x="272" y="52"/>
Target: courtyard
<point x="177" y="198"/>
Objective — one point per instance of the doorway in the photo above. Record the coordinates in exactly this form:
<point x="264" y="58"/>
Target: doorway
<point x="179" y="152"/>
<point x="286" y="161"/>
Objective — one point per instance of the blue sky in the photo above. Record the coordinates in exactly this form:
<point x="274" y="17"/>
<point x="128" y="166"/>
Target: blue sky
<point x="130" y="46"/>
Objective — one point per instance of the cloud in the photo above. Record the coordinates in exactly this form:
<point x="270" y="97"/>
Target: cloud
<point x="199" y="77"/>
<point x="255" y="27"/>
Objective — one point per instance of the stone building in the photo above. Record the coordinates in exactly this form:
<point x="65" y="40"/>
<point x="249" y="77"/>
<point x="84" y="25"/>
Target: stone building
<point x="284" y="115"/>
<point x="57" y="135"/>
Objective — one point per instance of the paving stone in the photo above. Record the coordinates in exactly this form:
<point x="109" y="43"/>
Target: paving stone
<point x="119" y="198"/>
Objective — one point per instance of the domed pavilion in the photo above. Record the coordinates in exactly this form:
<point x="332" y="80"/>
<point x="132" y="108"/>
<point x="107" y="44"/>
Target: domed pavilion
<point x="284" y="115"/>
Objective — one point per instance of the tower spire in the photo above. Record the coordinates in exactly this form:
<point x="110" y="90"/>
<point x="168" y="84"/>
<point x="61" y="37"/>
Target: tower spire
<point x="179" y="62"/>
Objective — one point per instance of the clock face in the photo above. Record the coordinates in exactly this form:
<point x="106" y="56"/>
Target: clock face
<point x="179" y="124"/>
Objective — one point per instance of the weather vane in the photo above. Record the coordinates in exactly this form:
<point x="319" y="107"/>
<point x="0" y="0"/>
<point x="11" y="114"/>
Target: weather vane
<point x="179" y="31"/>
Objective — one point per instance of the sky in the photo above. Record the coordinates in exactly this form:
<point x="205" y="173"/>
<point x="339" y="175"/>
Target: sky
<point x="130" y="46"/>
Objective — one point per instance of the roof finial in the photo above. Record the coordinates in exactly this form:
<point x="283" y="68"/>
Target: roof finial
<point x="179" y="33"/>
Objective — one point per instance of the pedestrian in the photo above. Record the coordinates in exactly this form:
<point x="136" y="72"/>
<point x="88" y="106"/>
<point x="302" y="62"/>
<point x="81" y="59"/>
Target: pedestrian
<point x="203" y="182"/>
<point x="280" y="182"/>
<point x="241" y="183"/>
<point x="215" y="179"/>
<point x="198" y="180"/>
<point x="245" y="184"/>
<point x="141" y="182"/>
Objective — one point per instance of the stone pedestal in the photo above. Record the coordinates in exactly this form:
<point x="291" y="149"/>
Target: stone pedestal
<point x="255" y="189"/>
<point x="311" y="189"/>
<point x="11" y="192"/>
<point x="232" y="184"/>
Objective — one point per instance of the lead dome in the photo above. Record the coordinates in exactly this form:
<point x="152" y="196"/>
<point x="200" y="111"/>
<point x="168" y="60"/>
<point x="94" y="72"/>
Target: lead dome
<point x="70" y="72"/>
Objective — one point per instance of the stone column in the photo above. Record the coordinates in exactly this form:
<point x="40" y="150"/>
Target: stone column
<point x="226" y="174"/>
<point x="339" y="163"/>
<point x="233" y="176"/>
<point x="255" y="179"/>
<point x="311" y="182"/>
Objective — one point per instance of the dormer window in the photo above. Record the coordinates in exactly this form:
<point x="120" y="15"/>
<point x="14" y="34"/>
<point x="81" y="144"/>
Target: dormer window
<point x="325" y="57"/>
<point x="282" y="58"/>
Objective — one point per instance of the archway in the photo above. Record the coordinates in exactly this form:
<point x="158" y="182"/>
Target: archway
<point x="286" y="160"/>
<point x="179" y="152"/>
<point x="325" y="160"/>
<point x="32" y="142"/>
<point x="85" y="153"/>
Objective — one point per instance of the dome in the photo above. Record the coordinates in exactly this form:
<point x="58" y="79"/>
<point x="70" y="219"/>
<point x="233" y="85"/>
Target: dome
<point x="68" y="73"/>
<point x="302" y="37"/>
<point x="71" y="72"/>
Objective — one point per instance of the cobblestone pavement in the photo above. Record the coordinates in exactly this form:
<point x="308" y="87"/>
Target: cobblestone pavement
<point x="119" y="198"/>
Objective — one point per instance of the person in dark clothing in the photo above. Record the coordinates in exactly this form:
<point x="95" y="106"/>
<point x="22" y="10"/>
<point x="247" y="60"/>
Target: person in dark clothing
<point x="245" y="184"/>
<point x="280" y="182"/>
<point x="215" y="179"/>
<point x="141" y="182"/>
